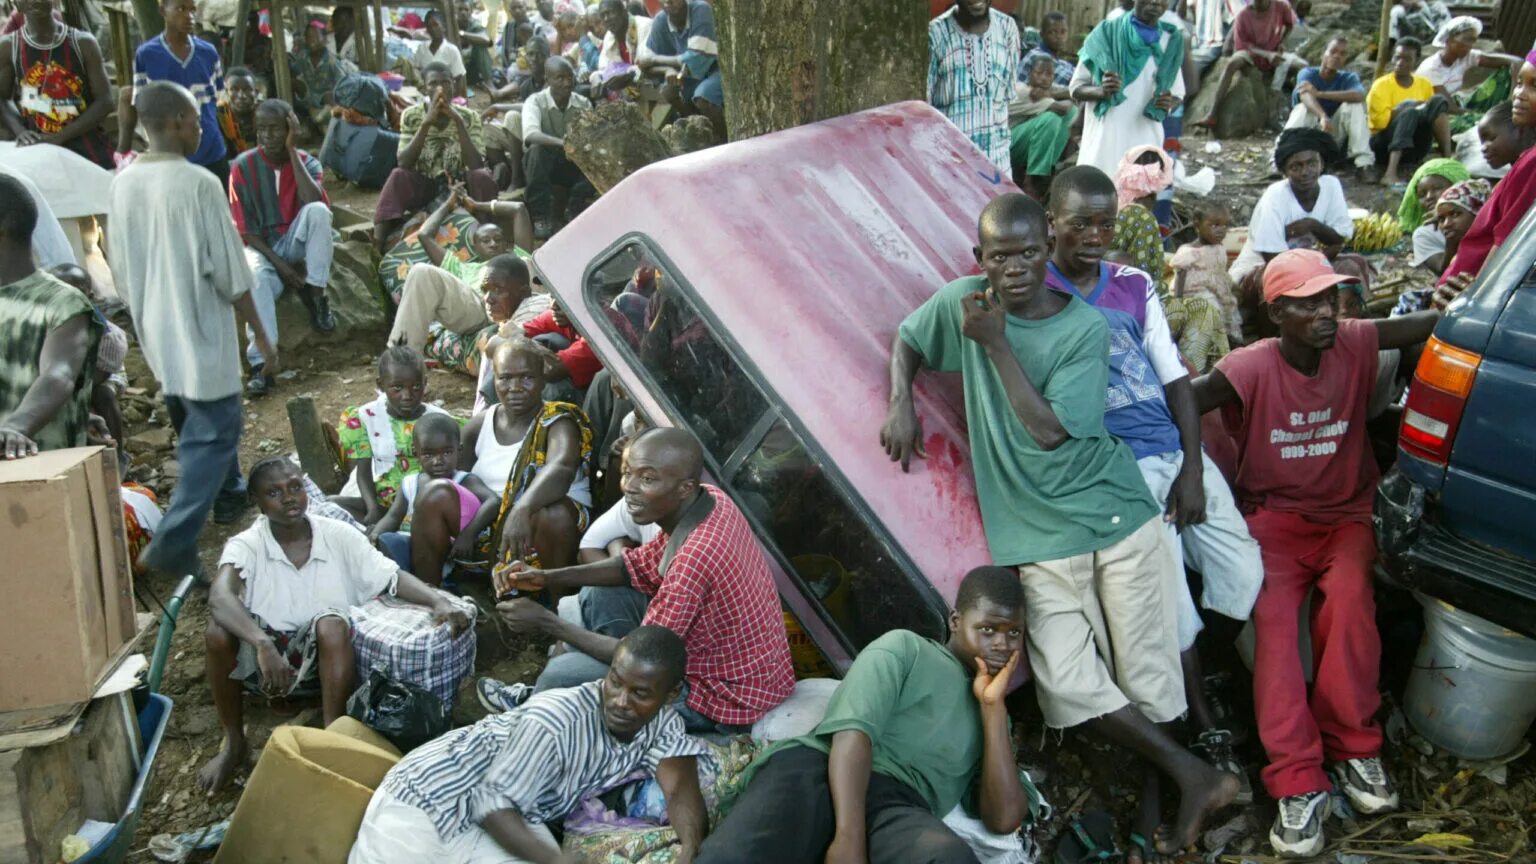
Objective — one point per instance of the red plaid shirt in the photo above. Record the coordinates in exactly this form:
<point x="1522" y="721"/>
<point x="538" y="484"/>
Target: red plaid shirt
<point x="720" y="597"/>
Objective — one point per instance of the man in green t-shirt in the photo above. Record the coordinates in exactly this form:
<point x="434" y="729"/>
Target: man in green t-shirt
<point x="451" y="290"/>
<point x="1061" y="499"/>
<point x="914" y="728"/>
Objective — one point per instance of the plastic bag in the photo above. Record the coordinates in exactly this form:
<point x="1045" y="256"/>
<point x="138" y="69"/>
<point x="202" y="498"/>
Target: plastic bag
<point x="405" y="714"/>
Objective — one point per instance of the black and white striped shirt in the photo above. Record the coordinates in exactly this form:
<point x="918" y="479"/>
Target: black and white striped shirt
<point x="540" y="760"/>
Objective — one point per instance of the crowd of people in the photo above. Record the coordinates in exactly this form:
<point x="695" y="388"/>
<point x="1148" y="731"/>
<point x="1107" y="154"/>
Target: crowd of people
<point x="1136" y="410"/>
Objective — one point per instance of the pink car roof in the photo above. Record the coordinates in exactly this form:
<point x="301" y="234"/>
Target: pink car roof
<point x="810" y="246"/>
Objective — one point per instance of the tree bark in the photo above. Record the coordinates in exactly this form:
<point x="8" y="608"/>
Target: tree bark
<point x="786" y="63"/>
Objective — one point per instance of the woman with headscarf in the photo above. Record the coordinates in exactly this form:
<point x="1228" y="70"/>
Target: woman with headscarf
<point x="1129" y="70"/>
<point x="1306" y="209"/>
<point x="1448" y="66"/>
<point x="1508" y="204"/>
<point x="1143" y="172"/>
<point x="1416" y="215"/>
<point x="1453" y="215"/>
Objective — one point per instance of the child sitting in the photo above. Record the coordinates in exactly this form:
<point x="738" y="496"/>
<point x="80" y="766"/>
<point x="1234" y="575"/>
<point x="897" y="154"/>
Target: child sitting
<point x="278" y="609"/>
<point x="376" y="437"/>
<point x="1200" y="268"/>
<point x="440" y="510"/>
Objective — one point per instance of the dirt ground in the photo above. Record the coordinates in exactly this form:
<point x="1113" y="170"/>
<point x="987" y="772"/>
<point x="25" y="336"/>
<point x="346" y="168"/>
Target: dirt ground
<point x="1440" y="796"/>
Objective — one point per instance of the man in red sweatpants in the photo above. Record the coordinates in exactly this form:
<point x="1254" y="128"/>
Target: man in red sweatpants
<point x="1296" y="408"/>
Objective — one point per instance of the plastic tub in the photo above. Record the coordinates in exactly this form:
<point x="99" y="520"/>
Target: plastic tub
<point x="1472" y="691"/>
<point x="392" y="80"/>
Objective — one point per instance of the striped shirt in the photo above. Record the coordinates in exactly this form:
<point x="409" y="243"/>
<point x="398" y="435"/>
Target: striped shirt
<point x="970" y="79"/>
<point x="201" y="72"/>
<point x="264" y="197"/>
<point x="540" y="760"/>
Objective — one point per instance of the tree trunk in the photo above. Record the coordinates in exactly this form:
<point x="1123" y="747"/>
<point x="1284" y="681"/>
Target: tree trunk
<point x="786" y="63"/>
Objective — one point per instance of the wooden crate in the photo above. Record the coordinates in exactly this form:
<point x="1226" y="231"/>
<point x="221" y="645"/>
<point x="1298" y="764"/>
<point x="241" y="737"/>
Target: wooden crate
<point x="84" y="770"/>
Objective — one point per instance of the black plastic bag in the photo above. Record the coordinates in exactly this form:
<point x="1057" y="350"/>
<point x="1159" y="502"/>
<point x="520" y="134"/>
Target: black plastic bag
<point x="407" y="715"/>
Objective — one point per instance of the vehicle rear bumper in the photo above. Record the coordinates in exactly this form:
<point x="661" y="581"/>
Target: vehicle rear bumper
<point x="1416" y="553"/>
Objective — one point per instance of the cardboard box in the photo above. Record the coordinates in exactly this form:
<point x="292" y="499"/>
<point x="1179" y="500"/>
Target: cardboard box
<point x="65" y="576"/>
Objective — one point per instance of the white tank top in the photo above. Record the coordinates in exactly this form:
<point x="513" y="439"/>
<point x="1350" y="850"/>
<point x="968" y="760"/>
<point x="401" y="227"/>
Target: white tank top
<point x="494" y="461"/>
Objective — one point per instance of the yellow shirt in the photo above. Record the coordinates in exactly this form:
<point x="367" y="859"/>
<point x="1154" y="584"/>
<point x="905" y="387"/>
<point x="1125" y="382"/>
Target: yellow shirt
<point x="1387" y="94"/>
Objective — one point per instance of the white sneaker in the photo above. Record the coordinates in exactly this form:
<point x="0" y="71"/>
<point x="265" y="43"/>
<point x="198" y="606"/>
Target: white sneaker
<point x="1298" y="828"/>
<point x="1366" y="784"/>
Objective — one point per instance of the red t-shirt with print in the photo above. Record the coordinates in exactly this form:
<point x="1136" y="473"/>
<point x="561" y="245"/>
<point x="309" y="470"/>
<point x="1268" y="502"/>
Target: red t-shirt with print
<point x="1301" y="440"/>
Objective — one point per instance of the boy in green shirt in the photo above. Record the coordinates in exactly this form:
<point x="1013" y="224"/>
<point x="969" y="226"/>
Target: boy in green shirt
<point x="1061" y="499"/>
<point x="914" y="728"/>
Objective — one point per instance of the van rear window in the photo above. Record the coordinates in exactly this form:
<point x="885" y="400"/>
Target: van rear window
<point x="801" y="510"/>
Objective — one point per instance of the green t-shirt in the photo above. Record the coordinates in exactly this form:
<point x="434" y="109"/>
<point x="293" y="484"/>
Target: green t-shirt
<point x="1036" y="504"/>
<point x="913" y="699"/>
<point x="468" y="272"/>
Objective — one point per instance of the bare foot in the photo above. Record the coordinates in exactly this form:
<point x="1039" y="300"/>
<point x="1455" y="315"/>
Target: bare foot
<point x="221" y="768"/>
<point x="1215" y="791"/>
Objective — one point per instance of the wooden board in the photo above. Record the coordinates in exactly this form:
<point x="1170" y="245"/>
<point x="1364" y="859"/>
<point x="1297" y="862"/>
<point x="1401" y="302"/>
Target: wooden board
<point x="47" y="792"/>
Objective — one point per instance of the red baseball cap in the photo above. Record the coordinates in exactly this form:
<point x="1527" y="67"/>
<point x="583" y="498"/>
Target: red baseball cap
<point x="1300" y="273"/>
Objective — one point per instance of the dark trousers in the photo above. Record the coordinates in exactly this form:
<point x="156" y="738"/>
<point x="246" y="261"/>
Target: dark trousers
<point x="207" y="449"/>
<point x="546" y="167"/>
<point x="1412" y="131"/>
<point x="407" y="191"/>
<point x="785" y="815"/>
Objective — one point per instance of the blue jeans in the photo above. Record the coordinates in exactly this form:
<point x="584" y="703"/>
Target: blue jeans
<point x="398" y="547"/>
<point x="309" y="240"/>
<point x="207" y="449"/>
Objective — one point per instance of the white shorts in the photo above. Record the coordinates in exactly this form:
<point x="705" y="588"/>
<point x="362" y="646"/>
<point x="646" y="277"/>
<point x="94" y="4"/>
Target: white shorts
<point x="1220" y="548"/>
<point x="396" y="833"/>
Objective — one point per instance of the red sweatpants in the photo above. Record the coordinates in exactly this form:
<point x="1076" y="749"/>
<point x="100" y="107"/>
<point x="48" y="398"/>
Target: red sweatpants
<point x="1299" y="734"/>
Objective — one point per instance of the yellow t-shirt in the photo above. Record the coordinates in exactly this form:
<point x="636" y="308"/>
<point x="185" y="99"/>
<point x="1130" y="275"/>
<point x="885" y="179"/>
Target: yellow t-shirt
<point x="1387" y="94"/>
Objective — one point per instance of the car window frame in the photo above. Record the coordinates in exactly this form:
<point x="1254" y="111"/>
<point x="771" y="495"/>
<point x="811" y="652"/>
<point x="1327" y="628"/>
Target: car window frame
<point x="776" y="408"/>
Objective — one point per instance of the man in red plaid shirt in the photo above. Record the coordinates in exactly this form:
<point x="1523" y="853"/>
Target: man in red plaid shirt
<point x="710" y="585"/>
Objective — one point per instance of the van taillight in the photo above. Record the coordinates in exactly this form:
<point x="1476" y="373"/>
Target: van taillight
<point x="1440" y="388"/>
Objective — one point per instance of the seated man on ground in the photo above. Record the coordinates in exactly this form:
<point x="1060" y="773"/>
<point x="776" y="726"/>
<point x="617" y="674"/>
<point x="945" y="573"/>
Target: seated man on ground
<point x="534" y="455"/>
<point x="1151" y="408"/>
<point x="556" y="187"/>
<point x="1041" y="125"/>
<point x="477" y="43"/>
<point x="376" y="437"/>
<point x="277" y="609"/>
<point x="716" y="592"/>
<point x="575" y="362"/>
<point x="237" y="112"/>
<point x="440" y="144"/>
<point x="682" y="47"/>
<point x="504" y="140"/>
<point x="278" y="200"/>
<point x="1331" y="98"/>
<point x="1258" y="39"/>
<point x="428" y="523"/>
<point x="486" y="792"/>
<point x="452" y="291"/>
<point x="626" y="37"/>
<point x="1307" y="208"/>
<point x="914" y="728"/>
<point x="315" y="73"/>
<point x="1062" y="500"/>
<point x="1306" y="480"/>
<point x="437" y="49"/>
<point x="50" y="333"/>
<point x="1406" y="115"/>
<point x="53" y="85"/>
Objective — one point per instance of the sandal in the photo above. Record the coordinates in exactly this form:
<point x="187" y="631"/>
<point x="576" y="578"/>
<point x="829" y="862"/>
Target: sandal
<point x="1148" y="851"/>
<point x="1090" y="837"/>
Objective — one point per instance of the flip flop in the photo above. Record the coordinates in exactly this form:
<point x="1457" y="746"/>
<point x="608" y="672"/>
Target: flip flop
<point x="1089" y="839"/>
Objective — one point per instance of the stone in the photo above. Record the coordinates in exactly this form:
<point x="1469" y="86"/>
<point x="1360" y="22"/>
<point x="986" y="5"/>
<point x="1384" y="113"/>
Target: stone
<point x="1245" y="108"/>
<point x="689" y="134"/>
<point x="357" y="299"/>
<point x="613" y="141"/>
<point x="153" y="440"/>
<point x="171" y="470"/>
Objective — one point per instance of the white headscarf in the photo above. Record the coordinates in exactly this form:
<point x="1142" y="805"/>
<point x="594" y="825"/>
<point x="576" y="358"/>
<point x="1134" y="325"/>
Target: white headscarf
<point x="1460" y="22"/>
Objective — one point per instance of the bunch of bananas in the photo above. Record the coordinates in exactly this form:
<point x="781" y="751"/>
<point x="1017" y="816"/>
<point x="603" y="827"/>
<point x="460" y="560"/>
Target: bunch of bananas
<point x="1376" y="232"/>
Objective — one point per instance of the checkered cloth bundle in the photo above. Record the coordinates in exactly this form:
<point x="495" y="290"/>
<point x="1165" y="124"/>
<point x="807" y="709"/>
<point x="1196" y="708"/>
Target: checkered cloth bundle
<point x="400" y="639"/>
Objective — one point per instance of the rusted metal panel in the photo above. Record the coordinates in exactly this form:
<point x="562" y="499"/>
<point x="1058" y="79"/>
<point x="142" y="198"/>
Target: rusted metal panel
<point x="1517" y="25"/>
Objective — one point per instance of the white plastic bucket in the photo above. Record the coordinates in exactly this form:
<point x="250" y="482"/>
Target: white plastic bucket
<point x="1473" y="687"/>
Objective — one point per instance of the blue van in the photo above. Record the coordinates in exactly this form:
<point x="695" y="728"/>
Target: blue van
<point x="1456" y="518"/>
